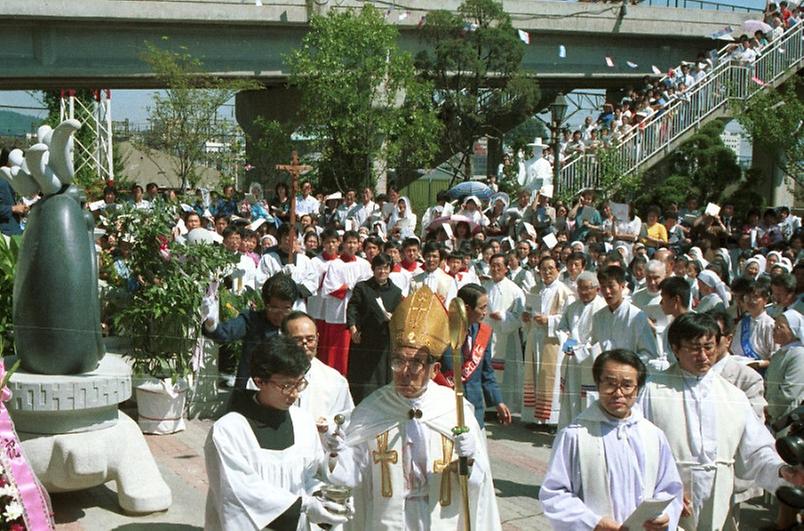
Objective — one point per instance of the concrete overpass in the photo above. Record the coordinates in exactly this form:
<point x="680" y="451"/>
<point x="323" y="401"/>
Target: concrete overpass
<point x="96" y="43"/>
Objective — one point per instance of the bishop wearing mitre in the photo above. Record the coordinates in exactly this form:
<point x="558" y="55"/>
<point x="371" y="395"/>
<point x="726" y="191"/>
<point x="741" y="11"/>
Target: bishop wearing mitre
<point x="400" y="450"/>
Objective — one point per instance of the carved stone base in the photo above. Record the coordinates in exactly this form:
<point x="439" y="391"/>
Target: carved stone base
<point x="77" y="461"/>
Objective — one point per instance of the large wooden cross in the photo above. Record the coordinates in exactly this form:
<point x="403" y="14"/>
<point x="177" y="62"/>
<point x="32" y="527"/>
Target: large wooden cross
<point x="294" y="169"/>
<point x="385" y="458"/>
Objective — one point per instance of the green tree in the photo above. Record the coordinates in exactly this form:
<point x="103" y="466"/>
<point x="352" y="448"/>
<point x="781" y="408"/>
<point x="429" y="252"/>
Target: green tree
<point x="474" y="58"/>
<point x="772" y="119"/>
<point x="361" y="100"/>
<point x="185" y="115"/>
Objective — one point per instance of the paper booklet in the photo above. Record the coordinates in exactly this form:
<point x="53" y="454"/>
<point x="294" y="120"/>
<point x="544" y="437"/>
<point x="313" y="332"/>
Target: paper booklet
<point x="647" y="510"/>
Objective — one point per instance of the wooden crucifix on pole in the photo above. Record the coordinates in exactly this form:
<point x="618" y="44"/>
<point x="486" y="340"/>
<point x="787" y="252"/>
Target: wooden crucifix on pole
<point x="294" y="169"/>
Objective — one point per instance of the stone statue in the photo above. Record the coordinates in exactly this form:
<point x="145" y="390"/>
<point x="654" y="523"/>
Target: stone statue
<point x="56" y="304"/>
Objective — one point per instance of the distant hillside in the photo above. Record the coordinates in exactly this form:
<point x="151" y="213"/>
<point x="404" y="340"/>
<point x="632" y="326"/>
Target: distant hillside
<point x="16" y="124"/>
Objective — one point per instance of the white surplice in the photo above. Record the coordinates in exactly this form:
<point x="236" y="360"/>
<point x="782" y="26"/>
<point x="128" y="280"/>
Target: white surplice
<point x="305" y="274"/>
<point x="712" y="432"/>
<point x="604" y="466"/>
<point x="316" y="303"/>
<point x="439" y="283"/>
<point x="508" y="299"/>
<point x="415" y="450"/>
<point x="341" y="274"/>
<point x="626" y="327"/>
<point x="578" y="386"/>
<point x="327" y="394"/>
<point x="249" y="487"/>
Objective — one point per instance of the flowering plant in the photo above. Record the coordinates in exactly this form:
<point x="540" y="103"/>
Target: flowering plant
<point x="11" y="509"/>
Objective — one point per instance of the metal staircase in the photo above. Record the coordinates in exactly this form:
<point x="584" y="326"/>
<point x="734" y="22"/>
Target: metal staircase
<point x="711" y="98"/>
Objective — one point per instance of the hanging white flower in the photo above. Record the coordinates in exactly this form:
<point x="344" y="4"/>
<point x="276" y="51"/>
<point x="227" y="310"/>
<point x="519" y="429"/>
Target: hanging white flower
<point x="13" y="511"/>
<point x="8" y="490"/>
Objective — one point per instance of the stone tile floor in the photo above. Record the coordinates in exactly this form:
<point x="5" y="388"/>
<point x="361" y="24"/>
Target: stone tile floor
<point x="519" y="456"/>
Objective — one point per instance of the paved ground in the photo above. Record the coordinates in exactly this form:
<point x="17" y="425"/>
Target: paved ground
<point x="519" y="458"/>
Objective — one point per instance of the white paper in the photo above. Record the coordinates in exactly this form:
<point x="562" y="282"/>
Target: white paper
<point x="186" y="207"/>
<point x="562" y="51"/>
<point x="647" y="510"/>
<point x="448" y="229"/>
<point x="550" y="240"/>
<point x="349" y="224"/>
<point x="547" y="190"/>
<point x="712" y="210"/>
<point x="530" y="229"/>
<point x="619" y="210"/>
<point x="596" y="350"/>
<point x="182" y="227"/>
<point x="256" y="224"/>
<point x="382" y="308"/>
<point x="97" y="205"/>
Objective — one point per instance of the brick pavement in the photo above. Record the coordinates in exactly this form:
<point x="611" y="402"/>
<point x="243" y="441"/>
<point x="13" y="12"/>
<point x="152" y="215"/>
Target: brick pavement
<point x="518" y="454"/>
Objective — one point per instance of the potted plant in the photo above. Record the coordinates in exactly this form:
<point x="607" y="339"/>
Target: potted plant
<point x="162" y="319"/>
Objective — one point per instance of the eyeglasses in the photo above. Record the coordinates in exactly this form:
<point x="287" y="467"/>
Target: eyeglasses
<point x="306" y="340"/>
<point x="698" y="347"/>
<point x="413" y="365"/>
<point x="279" y="309"/>
<point x="288" y="389"/>
<point x="609" y="387"/>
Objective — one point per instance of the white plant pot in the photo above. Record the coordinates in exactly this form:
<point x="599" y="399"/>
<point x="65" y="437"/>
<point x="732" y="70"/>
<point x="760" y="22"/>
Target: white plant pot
<point x="160" y="406"/>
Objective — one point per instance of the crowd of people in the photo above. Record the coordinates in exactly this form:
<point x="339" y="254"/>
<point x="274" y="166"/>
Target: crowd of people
<point x="596" y="319"/>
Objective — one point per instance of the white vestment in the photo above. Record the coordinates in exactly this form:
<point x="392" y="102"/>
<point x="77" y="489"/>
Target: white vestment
<point x="401" y="279"/>
<point x="578" y="388"/>
<point x="627" y="328"/>
<point x="249" y="487"/>
<point x="551" y="300"/>
<point x="245" y="275"/>
<point x="304" y="274"/>
<point x="538" y="173"/>
<point x="523" y="278"/>
<point x="650" y="304"/>
<point x="341" y="274"/>
<point x="508" y="299"/>
<point x="327" y="393"/>
<point x="316" y="303"/>
<point x="396" y="464"/>
<point x="604" y="466"/>
<point x="439" y="282"/>
<point x="713" y="434"/>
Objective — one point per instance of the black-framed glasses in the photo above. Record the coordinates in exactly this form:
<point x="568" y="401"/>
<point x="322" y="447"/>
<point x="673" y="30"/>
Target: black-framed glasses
<point x="609" y="387"/>
<point x="413" y="365"/>
<point x="288" y="389"/>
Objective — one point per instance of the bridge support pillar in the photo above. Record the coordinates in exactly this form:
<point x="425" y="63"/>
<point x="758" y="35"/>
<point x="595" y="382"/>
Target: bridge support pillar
<point x="778" y="187"/>
<point x="279" y="103"/>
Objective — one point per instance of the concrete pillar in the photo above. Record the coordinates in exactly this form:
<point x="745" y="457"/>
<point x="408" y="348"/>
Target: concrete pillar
<point x="280" y="103"/>
<point x="494" y="154"/>
<point x="777" y="187"/>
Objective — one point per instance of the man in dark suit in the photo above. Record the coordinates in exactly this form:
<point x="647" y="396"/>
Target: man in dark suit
<point x="480" y="385"/>
<point x="10" y="210"/>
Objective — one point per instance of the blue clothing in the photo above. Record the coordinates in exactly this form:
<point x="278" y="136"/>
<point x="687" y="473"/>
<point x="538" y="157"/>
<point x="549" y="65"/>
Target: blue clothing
<point x="226" y="207"/>
<point x="8" y="222"/>
<point x="252" y="327"/>
<point x="482" y="384"/>
<point x="589" y="214"/>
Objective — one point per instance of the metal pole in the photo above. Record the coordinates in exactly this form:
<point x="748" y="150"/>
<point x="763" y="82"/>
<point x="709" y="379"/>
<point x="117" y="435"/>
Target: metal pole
<point x="556" y="155"/>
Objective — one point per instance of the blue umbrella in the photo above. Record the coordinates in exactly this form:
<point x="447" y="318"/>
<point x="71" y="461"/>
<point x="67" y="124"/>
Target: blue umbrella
<point x="467" y="188"/>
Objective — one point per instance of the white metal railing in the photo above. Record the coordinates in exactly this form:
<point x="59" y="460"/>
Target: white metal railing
<point x="711" y="96"/>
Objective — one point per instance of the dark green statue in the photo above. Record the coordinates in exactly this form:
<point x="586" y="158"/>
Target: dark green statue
<point x="56" y="304"/>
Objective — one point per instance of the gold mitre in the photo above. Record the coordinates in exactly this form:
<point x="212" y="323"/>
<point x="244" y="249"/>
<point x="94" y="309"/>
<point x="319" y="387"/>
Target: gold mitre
<point x="420" y="321"/>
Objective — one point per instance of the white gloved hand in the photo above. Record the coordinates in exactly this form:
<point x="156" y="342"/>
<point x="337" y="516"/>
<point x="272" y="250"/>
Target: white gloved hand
<point x="289" y="269"/>
<point x="465" y="444"/>
<point x="210" y="312"/>
<point x="334" y="442"/>
<point x="321" y="511"/>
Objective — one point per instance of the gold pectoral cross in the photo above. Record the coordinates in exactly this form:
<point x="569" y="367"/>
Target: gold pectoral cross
<point x="442" y="466"/>
<point x="385" y="457"/>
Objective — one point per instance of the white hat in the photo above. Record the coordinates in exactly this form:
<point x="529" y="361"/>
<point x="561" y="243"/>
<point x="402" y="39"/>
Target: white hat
<point x="331" y="197"/>
<point x="538" y="143"/>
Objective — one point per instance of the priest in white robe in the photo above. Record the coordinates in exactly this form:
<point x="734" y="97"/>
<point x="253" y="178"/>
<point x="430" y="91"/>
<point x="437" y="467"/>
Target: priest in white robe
<point x="543" y="353"/>
<point x="610" y="459"/>
<point x="506" y="304"/>
<point x="401" y="448"/>
<point x="578" y="389"/>
<point x="264" y="459"/>
<point x="649" y="300"/>
<point x="621" y="324"/>
<point x="711" y="428"/>
<point x="327" y="393"/>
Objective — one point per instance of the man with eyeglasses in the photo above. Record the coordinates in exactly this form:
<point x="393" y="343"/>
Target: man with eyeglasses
<point x="609" y="458"/>
<point x="433" y="276"/>
<point x="264" y="459"/>
<point x="252" y="326"/>
<point x="401" y="446"/>
<point x="327" y="394"/>
<point x="711" y="427"/>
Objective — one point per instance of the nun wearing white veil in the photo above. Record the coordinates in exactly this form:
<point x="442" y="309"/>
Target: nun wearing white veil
<point x="784" y="379"/>
<point x="714" y="292"/>
<point x="403" y="218"/>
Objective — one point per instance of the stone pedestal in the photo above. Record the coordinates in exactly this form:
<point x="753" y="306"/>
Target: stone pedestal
<point x="75" y="438"/>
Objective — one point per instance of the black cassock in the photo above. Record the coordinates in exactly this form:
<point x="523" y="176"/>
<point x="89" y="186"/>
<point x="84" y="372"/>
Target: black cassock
<point x="369" y="364"/>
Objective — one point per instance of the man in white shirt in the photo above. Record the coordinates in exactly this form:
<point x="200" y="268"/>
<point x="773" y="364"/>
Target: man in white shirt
<point x="433" y="276"/>
<point x="610" y="459"/>
<point x="278" y="260"/>
<point x="361" y="212"/>
<point x="710" y="426"/>
<point x="307" y="203"/>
